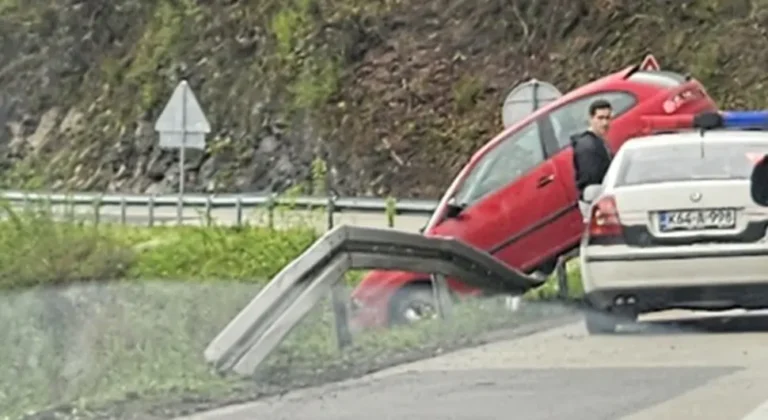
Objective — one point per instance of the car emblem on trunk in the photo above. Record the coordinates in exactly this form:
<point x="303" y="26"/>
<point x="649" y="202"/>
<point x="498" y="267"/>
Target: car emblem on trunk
<point x="695" y="197"/>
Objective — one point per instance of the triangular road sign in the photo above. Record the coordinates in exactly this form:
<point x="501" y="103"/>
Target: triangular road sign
<point x="650" y="63"/>
<point x="182" y="113"/>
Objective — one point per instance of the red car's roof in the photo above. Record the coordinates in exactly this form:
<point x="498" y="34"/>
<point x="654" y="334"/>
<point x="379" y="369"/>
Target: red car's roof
<point x="589" y="88"/>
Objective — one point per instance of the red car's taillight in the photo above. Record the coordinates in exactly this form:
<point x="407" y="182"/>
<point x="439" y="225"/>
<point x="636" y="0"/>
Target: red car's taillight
<point x="677" y="101"/>
<point x="604" y="220"/>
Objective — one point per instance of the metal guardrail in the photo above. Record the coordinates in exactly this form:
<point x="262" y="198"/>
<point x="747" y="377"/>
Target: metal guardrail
<point x="412" y="206"/>
<point x="263" y="324"/>
<point x="211" y="205"/>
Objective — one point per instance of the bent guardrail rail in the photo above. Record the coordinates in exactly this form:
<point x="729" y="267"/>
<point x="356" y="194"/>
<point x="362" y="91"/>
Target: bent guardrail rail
<point x="260" y="327"/>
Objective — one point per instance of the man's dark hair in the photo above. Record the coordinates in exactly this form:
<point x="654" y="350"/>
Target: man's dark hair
<point x="598" y="104"/>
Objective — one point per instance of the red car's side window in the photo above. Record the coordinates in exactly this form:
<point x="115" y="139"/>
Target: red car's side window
<point x="509" y="160"/>
<point x="573" y="117"/>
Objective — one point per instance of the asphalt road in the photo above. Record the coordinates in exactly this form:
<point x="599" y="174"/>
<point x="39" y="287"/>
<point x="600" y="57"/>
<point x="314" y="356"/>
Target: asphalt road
<point x="701" y="368"/>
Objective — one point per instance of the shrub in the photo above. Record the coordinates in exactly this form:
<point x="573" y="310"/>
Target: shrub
<point x="35" y="249"/>
<point x="215" y="253"/>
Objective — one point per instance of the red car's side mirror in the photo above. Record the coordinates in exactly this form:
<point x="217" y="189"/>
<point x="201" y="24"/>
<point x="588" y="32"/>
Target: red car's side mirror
<point x="453" y="211"/>
<point x="759" y="182"/>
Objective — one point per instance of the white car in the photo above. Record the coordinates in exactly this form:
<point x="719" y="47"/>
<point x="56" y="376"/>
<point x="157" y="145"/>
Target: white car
<point x="674" y="226"/>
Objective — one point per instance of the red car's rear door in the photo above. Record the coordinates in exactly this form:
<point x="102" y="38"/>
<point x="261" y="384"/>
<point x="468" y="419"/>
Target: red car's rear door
<point x="566" y="224"/>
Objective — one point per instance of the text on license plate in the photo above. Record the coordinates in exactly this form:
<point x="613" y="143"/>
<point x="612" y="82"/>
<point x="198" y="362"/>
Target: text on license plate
<point x="697" y="219"/>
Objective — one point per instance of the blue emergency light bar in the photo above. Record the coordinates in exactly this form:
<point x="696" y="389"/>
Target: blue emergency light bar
<point x="745" y="119"/>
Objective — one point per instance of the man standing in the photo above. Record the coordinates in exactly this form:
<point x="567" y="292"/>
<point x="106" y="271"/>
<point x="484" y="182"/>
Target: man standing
<point x="591" y="155"/>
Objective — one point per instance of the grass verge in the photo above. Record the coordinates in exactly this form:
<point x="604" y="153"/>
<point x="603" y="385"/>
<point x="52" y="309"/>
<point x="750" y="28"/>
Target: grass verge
<point x="111" y="321"/>
<point x="549" y="291"/>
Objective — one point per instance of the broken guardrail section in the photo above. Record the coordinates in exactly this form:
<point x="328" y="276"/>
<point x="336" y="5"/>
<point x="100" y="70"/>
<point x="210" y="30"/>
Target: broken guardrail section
<point x="262" y="325"/>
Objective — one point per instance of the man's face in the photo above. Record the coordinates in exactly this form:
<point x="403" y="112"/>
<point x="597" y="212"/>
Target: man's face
<point x="601" y="121"/>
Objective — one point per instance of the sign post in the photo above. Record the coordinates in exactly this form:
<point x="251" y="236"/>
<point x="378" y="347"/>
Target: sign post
<point x="182" y="125"/>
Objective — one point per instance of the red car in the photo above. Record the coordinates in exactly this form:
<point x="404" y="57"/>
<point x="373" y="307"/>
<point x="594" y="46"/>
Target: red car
<point x="516" y="198"/>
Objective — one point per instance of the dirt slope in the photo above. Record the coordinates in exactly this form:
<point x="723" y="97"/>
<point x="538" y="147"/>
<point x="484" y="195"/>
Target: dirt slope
<point x="394" y="93"/>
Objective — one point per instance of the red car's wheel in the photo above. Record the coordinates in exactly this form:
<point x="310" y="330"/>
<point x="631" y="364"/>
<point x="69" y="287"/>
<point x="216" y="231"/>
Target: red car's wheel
<point x="412" y="303"/>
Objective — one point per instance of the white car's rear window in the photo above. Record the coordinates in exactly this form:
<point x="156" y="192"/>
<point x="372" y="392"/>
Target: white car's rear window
<point x="689" y="161"/>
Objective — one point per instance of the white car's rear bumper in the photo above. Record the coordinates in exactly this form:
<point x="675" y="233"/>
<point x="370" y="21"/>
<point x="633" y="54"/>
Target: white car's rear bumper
<point x="680" y="275"/>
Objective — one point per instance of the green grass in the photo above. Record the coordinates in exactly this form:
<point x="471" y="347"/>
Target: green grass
<point x="143" y="303"/>
<point x="35" y="249"/>
<point x="549" y="291"/>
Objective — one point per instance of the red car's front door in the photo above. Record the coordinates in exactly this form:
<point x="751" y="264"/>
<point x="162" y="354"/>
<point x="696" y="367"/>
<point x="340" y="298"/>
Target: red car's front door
<point x="532" y="200"/>
<point x="506" y="196"/>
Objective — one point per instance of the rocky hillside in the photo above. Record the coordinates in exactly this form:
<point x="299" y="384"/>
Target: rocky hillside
<point x="394" y="94"/>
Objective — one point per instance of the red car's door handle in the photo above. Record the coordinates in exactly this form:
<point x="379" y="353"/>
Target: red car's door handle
<point x="545" y="180"/>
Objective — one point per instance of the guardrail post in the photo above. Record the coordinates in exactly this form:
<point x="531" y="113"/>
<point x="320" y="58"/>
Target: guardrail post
<point x="151" y="210"/>
<point x="562" y="278"/>
<point x="331" y="209"/>
<point x="441" y="296"/>
<point x="208" y="210"/>
<point x="390" y="210"/>
<point x="271" y="211"/>
<point x="180" y="210"/>
<point x="239" y="211"/>
<point x="339" y="301"/>
<point x="97" y="210"/>
<point x="123" y="210"/>
<point x="70" y="206"/>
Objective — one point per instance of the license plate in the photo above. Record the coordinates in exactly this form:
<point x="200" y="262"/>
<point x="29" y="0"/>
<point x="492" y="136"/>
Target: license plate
<point x="699" y="219"/>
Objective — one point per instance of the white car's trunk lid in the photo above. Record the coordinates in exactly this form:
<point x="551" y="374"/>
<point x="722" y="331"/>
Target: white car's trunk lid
<point x="689" y="208"/>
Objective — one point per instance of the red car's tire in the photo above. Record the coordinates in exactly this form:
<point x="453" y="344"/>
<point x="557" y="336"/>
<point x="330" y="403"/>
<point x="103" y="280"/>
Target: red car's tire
<point x="412" y="303"/>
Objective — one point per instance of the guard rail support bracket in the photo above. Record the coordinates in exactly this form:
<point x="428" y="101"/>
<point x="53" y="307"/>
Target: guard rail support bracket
<point x="339" y="300"/>
<point x="442" y="296"/>
<point x="283" y="324"/>
<point x="562" y="278"/>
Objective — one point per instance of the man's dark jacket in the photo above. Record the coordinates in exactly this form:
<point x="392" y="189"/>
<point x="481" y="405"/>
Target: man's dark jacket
<point x="591" y="158"/>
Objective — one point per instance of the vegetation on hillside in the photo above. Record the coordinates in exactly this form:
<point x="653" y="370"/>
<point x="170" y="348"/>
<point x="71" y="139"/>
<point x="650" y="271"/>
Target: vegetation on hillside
<point x="394" y="94"/>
